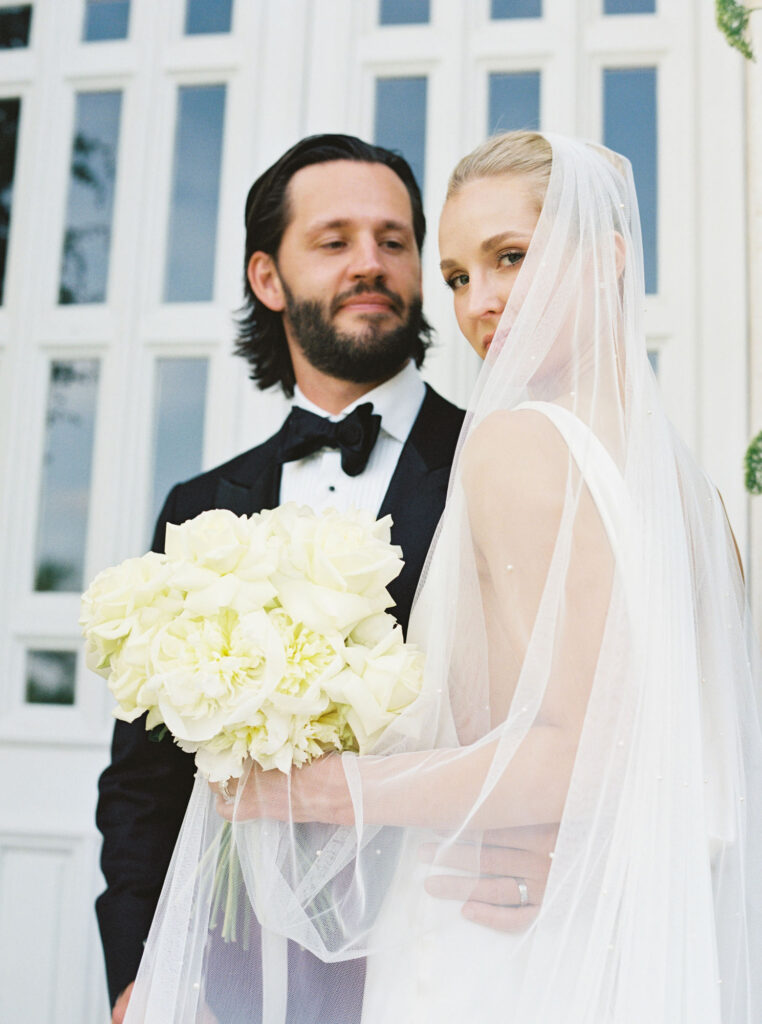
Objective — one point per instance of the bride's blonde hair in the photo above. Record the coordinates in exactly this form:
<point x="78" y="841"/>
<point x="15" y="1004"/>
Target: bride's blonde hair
<point x="521" y="153"/>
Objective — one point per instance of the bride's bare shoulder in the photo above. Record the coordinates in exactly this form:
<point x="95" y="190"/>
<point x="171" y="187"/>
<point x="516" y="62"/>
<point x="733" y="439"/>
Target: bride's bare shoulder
<point x="513" y="449"/>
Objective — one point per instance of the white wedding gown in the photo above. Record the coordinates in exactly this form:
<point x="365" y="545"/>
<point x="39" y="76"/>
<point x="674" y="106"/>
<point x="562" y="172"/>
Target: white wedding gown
<point x="436" y="982"/>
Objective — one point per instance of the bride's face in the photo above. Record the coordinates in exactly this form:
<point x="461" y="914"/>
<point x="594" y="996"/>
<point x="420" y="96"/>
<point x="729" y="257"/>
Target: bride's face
<point x="484" y="233"/>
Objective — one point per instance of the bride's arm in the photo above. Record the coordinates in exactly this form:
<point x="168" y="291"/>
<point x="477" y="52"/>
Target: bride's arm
<point x="433" y="789"/>
<point x="523" y="494"/>
<point x="438" y="789"/>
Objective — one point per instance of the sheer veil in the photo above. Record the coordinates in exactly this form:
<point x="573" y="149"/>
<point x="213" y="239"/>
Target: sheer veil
<point x="591" y="666"/>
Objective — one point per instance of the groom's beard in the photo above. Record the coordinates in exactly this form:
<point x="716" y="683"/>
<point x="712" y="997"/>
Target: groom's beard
<point x="373" y="353"/>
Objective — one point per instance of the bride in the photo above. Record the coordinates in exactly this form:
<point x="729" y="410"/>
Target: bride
<point x="589" y="663"/>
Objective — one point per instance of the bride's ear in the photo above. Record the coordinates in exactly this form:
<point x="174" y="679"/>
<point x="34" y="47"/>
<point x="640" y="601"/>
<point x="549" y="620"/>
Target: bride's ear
<point x="620" y="252"/>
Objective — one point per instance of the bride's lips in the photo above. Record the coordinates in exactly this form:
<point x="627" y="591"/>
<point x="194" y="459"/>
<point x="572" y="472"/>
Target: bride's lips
<point x="487" y="341"/>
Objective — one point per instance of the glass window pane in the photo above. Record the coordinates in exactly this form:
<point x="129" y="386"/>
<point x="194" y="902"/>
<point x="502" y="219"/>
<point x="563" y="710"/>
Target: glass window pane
<point x="15" y="23"/>
<point x="404" y="12"/>
<point x="9" y="125"/>
<point x="50" y="677"/>
<point x="205" y="16"/>
<point x="179" y="405"/>
<point x="195" y="194"/>
<point x="406" y="135"/>
<point x="516" y="9"/>
<point x="106" y="19"/>
<point x="90" y="207"/>
<point x="629" y="6"/>
<point x="66" y="471"/>
<point x="653" y="358"/>
<point x="630" y="128"/>
<point x="514" y="101"/>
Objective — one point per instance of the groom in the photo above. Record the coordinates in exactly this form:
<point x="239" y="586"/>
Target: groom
<point x="332" y="314"/>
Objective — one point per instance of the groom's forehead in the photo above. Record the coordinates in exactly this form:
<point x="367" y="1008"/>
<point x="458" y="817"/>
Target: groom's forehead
<point x="347" y="191"/>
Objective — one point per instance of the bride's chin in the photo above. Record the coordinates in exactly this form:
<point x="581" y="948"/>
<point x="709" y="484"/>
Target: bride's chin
<point x="495" y="344"/>
<point x="480" y="348"/>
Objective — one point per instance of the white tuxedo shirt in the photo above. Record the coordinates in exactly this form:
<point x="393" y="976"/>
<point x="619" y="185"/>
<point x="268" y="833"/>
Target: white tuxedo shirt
<point x="319" y="481"/>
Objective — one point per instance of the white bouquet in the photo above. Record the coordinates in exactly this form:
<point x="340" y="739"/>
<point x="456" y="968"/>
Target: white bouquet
<point x="264" y="637"/>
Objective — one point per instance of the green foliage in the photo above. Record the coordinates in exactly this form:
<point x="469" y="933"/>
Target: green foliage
<point x="753" y="465"/>
<point x="733" y="22"/>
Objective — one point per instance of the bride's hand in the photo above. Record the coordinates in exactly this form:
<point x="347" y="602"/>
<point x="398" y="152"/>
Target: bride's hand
<point x="315" y="792"/>
<point x="257" y="794"/>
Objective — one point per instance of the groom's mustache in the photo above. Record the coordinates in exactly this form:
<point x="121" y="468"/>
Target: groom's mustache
<point x="396" y="301"/>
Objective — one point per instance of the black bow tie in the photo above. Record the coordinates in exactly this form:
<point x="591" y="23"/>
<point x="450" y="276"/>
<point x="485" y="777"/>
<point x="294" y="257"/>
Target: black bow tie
<point x="305" y="433"/>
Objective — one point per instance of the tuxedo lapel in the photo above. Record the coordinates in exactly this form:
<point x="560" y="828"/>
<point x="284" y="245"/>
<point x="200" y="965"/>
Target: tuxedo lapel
<point x="416" y="495"/>
<point x="415" y="492"/>
<point x="253" y="483"/>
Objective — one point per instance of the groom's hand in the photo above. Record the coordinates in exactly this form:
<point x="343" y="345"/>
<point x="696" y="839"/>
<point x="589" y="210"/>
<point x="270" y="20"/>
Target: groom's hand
<point x="505" y="876"/>
<point x="120" y="1006"/>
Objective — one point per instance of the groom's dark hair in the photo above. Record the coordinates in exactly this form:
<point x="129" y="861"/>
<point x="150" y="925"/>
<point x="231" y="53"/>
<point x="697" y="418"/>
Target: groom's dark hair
<point x="261" y="338"/>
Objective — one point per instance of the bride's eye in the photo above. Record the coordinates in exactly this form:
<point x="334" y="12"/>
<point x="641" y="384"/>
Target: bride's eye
<point x="510" y="257"/>
<point x="456" y="281"/>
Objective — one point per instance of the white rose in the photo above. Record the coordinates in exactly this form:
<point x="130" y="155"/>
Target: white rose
<point x="127" y="682"/>
<point x="222" y="542"/>
<point x="347" y="552"/>
<point x="377" y="685"/>
<point x="207" y="592"/>
<point x="127" y="598"/>
<point x="324" y="609"/>
<point x="374" y="629"/>
<point x="356" y="549"/>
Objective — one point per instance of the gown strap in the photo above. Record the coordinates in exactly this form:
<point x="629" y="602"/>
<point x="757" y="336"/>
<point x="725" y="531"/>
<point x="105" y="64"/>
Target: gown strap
<point x="601" y="474"/>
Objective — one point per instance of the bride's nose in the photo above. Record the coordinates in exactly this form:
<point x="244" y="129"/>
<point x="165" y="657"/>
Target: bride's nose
<point x="484" y="299"/>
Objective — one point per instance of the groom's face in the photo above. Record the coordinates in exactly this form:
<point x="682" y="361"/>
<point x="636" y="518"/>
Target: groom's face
<point x="347" y="275"/>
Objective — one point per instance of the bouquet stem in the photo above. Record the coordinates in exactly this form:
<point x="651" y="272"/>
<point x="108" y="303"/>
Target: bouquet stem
<point x="231" y="911"/>
<point x="228" y="890"/>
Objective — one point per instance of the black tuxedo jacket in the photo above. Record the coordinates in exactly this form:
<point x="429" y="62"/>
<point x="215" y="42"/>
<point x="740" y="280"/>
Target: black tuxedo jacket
<point x="144" y="791"/>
